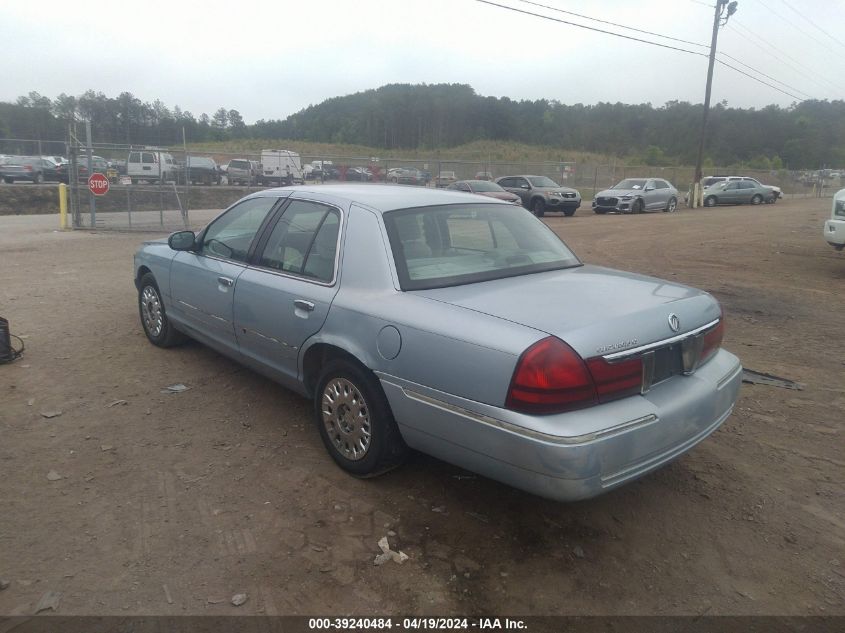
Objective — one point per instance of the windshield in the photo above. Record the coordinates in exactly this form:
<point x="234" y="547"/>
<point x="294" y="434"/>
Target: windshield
<point x="542" y="181"/>
<point x="630" y="183"/>
<point x="457" y="244"/>
<point x="200" y="161"/>
<point x="482" y="185"/>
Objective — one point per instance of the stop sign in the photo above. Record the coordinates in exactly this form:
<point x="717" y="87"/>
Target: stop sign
<point x="98" y="184"/>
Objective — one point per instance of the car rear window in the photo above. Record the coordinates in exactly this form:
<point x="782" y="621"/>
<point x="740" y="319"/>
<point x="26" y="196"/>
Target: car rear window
<point x="452" y="245"/>
<point x="239" y="164"/>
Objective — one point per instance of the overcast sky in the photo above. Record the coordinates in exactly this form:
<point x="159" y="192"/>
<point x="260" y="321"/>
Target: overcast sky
<point x="269" y="59"/>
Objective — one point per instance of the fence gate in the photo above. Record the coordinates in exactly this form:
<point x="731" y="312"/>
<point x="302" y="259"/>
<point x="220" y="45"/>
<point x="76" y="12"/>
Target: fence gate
<point x="153" y="204"/>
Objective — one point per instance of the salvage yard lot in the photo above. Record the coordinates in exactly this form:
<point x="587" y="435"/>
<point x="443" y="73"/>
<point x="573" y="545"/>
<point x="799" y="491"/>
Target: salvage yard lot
<point x="173" y="503"/>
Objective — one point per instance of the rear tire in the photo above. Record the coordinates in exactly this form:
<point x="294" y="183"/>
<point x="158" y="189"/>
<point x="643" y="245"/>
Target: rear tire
<point x="538" y="207"/>
<point x="569" y="212"/>
<point x="37" y="179"/>
<point x="599" y="211"/>
<point x="672" y="206"/>
<point x="355" y="422"/>
<point x="157" y="326"/>
<point x="710" y="201"/>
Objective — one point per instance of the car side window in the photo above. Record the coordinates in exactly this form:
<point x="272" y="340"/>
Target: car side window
<point x="135" y="157"/>
<point x="304" y="241"/>
<point x="506" y="182"/>
<point x="463" y="186"/>
<point x="230" y="235"/>
<point x="661" y="184"/>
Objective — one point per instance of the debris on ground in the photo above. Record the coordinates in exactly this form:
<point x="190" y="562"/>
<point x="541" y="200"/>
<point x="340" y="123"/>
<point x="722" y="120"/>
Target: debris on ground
<point x="177" y="388"/>
<point x="116" y="403"/>
<point x="54" y="476"/>
<point x="239" y="598"/>
<point x="479" y="517"/>
<point x="4" y="584"/>
<point x="106" y="447"/>
<point x="49" y="601"/>
<point x="438" y="509"/>
<point x="30" y="402"/>
<point x="388" y="554"/>
<point x="167" y="594"/>
<point x="759" y="378"/>
<point x="51" y="414"/>
<point x="578" y="551"/>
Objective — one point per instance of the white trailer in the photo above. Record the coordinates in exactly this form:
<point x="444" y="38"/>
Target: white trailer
<point x="280" y="167"/>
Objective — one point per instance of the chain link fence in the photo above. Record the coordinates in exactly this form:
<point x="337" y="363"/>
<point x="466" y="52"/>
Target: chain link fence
<point x="156" y="188"/>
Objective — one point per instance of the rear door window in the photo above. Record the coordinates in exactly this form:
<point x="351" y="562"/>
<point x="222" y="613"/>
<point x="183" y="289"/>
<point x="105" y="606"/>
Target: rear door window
<point x="147" y="158"/>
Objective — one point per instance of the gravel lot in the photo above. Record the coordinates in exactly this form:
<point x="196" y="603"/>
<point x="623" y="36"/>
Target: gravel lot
<point x="172" y="503"/>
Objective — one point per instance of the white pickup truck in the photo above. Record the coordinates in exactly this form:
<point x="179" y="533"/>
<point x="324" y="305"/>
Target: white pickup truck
<point x="834" y="228"/>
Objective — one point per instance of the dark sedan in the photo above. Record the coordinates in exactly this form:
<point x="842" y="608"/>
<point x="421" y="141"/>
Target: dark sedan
<point x="486" y="188"/>
<point x="31" y="168"/>
<point x="203" y="170"/>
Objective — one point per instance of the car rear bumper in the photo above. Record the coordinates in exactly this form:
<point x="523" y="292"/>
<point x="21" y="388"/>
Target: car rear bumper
<point x="834" y="233"/>
<point x="574" y="455"/>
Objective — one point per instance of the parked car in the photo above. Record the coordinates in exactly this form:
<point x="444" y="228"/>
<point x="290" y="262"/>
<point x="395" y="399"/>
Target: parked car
<point x="445" y="178"/>
<point x="491" y="346"/>
<point x="637" y="195"/>
<point x="486" y="188"/>
<point x="202" y="170"/>
<point x="834" y="228"/>
<point x="413" y="177"/>
<point x="242" y="171"/>
<point x="738" y="191"/>
<point x="540" y="194"/>
<point x="358" y="174"/>
<point x="484" y="175"/>
<point x="151" y="165"/>
<point x="35" y="169"/>
<point x="99" y="165"/>
<point x="711" y="180"/>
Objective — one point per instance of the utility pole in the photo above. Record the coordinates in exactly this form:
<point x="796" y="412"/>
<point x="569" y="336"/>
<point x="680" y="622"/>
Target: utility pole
<point x="717" y="22"/>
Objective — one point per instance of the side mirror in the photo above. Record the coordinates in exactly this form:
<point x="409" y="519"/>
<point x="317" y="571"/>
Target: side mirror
<point x="524" y="186"/>
<point x="182" y="240"/>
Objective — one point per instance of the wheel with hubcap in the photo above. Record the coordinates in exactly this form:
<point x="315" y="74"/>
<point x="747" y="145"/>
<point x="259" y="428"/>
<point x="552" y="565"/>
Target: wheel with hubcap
<point x="154" y="320"/>
<point x="538" y="207"/>
<point x="710" y="201"/>
<point x="38" y="179"/>
<point x="756" y="199"/>
<point x="672" y="206"/>
<point x="354" y="420"/>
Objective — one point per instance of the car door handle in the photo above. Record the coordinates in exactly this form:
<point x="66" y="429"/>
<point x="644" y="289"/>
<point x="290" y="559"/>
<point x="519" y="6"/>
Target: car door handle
<point x="225" y="281"/>
<point x="302" y="304"/>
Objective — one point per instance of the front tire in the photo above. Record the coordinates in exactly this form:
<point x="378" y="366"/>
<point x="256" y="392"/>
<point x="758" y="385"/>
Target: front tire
<point x="538" y="207"/>
<point x="38" y="179"/>
<point x="638" y="206"/>
<point x="355" y="421"/>
<point x="154" y="320"/>
<point x="569" y="212"/>
<point x="756" y="199"/>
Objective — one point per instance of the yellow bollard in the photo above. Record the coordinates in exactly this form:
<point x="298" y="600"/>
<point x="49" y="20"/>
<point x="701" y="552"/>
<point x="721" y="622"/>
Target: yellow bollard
<point x="62" y="205"/>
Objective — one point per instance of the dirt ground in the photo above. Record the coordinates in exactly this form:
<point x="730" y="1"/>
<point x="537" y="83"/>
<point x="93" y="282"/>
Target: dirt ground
<point x="172" y="503"/>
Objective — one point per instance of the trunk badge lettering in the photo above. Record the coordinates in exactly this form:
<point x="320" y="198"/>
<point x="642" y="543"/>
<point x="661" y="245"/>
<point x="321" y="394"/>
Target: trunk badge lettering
<point x="674" y="322"/>
<point x="617" y="346"/>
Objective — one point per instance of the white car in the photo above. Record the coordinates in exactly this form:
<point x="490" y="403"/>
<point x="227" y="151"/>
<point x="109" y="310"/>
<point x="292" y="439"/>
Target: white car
<point x="834" y="228"/>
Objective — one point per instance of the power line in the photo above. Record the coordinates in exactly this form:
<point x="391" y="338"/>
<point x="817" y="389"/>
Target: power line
<point x="703" y="4"/>
<point x="622" y="26"/>
<point x="760" y="72"/>
<point x="792" y="24"/>
<point x="589" y="28"/>
<point x="765" y="83"/>
<point x="636" y="39"/>
<point x="801" y="68"/>
<point x="794" y="10"/>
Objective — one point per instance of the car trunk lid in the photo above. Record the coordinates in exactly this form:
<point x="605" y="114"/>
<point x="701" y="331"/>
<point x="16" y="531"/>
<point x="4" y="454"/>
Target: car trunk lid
<point x="597" y="311"/>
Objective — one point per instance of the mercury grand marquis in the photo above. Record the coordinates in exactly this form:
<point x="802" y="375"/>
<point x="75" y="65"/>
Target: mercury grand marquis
<point x="452" y="324"/>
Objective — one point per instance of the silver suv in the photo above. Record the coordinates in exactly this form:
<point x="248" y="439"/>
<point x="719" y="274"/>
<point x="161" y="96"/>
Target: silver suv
<point x="242" y="171"/>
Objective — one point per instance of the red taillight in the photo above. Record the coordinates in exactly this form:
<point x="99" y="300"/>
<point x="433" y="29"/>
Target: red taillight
<point x="616" y="380"/>
<point x="713" y="341"/>
<point x="550" y="377"/>
<point x="28" y="167"/>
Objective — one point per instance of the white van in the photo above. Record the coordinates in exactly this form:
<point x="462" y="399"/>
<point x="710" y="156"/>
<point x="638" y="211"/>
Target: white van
<point x="280" y="167"/>
<point x="834" y="228"/>
<point x="151" y="165"/>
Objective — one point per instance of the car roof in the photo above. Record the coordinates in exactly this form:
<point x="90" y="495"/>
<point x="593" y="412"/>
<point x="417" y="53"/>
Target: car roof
<point x="379" y="197"/>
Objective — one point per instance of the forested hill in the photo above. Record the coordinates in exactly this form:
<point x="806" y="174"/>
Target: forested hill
<point x="403" y="116"/>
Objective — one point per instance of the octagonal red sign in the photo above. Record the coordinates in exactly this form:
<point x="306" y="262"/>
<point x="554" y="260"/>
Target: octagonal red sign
<point x="98" y="184"/>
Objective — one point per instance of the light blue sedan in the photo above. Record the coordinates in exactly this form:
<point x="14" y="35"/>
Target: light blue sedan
<point x="449" y="323"/>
